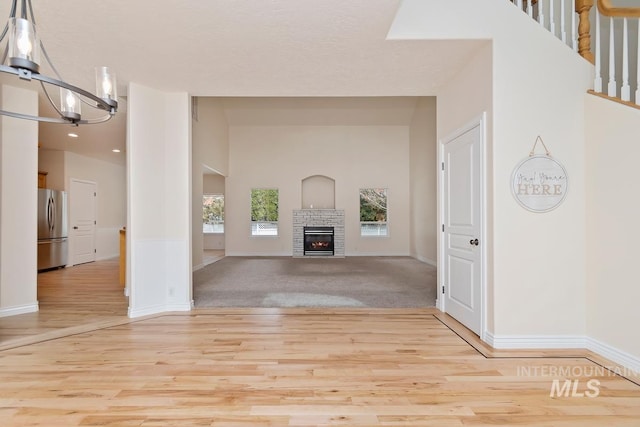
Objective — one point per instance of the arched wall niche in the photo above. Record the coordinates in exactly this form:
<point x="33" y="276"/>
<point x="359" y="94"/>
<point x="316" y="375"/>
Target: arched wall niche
<point x="318" y="192"/>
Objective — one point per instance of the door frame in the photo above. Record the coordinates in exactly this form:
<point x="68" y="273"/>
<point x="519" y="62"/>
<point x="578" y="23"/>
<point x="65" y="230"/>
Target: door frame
<point x="440" y="301"/>
<point x="72" y="241"/>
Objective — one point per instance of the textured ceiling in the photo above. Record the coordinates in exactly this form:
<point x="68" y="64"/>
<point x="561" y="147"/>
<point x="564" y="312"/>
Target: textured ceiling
<point x="239" y="48"/>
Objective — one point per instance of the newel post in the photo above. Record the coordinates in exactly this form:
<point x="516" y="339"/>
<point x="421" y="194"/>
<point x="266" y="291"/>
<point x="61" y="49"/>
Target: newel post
<point x="584" y="28"/>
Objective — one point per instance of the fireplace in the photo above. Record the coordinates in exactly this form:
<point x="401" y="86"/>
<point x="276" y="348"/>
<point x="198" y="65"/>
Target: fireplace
<point x="318" y="241"/>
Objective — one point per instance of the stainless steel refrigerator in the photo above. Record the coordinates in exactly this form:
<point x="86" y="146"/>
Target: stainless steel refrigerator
<point x="52" y="229"/>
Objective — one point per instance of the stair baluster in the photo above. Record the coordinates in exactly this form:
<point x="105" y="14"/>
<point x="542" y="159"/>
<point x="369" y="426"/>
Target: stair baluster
<point x="619" y="17"/>
<point x="619" y="86"/>
<point x="625" y="90"/>
<point x="637" y="98"/>
<point x="574" y="32"/>
<point x="612" y="86"/>
<point x="563" y="30"/>
<point x="552" y="19"/>
<point x="597" y="83"/>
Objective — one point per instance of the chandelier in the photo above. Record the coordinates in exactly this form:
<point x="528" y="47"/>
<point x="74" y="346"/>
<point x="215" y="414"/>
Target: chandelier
<point x="21" y="58"/>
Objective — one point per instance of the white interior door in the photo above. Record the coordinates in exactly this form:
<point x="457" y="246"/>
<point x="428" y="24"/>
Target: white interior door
<point x="461" y="216"/>
<point x="82" y="212"/>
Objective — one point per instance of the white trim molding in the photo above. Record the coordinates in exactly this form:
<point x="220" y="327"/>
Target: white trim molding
<point x="159" y="309"/>
<point x="258" y="254"/>
<point x="535" y="341"/>
<point x="618" y="356"/>
<point x="19" y="309"/>
<point x="425" y="260"/>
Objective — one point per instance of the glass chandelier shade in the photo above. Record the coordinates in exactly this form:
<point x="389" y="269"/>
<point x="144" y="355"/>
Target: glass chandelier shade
<point x="70" y="105"/>
<point x="24" y="45"/>
<point x="106" y="83"/>
<point x="22" y="53"/>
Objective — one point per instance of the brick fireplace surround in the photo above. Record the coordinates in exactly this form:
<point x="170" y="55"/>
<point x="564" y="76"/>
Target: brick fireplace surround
<point x="318" y="217"/>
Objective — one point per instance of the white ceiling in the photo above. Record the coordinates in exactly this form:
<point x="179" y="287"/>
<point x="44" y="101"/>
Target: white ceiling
<point x="239" y="48"/>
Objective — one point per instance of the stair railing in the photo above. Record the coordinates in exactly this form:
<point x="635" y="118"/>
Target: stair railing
<point x="622" y="60"/>
<point x="569" y="21"/>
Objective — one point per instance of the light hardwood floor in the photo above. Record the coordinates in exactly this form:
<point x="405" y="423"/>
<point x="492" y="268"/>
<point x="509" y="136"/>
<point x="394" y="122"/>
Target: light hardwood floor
<point x="300" y="367"/>
<point x="70" y="300"/>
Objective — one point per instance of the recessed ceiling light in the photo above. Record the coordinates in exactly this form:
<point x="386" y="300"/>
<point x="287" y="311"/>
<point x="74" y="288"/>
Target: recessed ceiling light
<point x="115" y="150"/>
<point x="73" y="135"/>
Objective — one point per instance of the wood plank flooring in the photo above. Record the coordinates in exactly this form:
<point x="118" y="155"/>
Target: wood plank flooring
<point x="69" y="299"/>
<point x="81" y="362"/>
<point x="297" y="367"/>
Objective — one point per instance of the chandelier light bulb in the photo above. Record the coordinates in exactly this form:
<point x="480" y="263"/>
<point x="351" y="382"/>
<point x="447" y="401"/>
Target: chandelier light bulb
<point x="23" y="44"/>
<point x="106" y="88"/>
<point x="70" y="100"/>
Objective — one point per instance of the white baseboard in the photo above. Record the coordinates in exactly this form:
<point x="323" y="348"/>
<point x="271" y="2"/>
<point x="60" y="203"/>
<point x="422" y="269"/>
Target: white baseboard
<point x="426" y="260"/>
<point x="535" y="341"/>
<point x="622" y="358"/>
<point x="105" y="257"/>
<point x="618" y="356"/>
<point x="156" y="309"/>
<point x="178" y="307"/>
<point x="352" y="254"/>
<point x="198" y="267"/>
<point x="372" y="254"/>
<point x="288" y="254"/>
<point x="19" y="309"/>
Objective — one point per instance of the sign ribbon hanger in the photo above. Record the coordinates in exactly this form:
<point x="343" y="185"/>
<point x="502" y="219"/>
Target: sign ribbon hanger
<point x="533" y="149"/>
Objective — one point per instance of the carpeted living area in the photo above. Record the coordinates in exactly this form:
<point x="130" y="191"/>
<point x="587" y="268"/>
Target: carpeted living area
<point x="383" y="282"/>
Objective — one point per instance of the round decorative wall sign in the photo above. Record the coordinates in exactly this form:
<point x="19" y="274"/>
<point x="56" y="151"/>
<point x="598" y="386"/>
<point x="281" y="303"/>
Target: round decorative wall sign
<point x="539" y="183"/>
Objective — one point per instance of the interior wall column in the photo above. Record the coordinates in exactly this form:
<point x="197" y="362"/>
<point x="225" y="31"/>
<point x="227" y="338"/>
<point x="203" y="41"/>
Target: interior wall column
<point x="159" y="201"/>
<point x="18" y="203"/>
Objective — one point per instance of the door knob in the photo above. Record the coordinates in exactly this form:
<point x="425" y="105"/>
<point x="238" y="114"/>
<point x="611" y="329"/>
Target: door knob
<point x="474" y="242"/>
<point x="75" y="228"/>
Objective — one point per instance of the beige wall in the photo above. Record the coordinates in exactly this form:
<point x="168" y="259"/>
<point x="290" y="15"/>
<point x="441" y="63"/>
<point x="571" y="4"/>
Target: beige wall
<point x="423" y="182"/>
<point x="210" y="135"/>
<point x="213" y="184"/>
<point x="52" y="162"/>
<point x="18" y="203"/>
<point x="537" y="262"/>
<point x="210" y="152"/>
<point x="612" y="207"/>
<point x="281" y="156"/>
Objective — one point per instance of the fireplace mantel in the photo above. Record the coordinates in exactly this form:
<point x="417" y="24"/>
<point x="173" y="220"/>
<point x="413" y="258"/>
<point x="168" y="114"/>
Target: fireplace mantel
<point x="318" y="217"/>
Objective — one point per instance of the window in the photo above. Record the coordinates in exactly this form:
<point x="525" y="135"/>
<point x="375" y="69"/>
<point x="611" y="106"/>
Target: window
<point x="213" y="213"/>
<point x="264" y="212"/>
<point x="373" y="212"/>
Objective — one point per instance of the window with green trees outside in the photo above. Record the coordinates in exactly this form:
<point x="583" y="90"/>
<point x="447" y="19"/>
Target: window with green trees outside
<point x="213" y="213"/>
<point x="264" y="212"/>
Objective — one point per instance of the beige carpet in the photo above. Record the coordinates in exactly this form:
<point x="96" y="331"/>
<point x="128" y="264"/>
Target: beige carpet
<point x="385" y="282"/>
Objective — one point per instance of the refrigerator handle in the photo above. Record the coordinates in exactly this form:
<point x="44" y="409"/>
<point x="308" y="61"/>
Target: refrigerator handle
<point x="49" y="218"/>
<point x="53" y="213"/>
